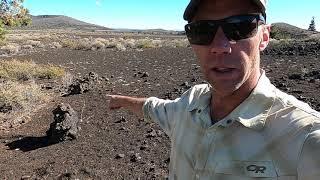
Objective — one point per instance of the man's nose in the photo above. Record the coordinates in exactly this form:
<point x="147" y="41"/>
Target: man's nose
<point x="220" y="44"/>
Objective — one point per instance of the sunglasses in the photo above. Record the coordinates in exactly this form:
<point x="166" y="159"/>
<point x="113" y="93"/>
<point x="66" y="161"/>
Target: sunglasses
<point x="235" y="28"/>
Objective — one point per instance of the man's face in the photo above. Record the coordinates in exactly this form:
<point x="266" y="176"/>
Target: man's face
<point x="230" y="65"/>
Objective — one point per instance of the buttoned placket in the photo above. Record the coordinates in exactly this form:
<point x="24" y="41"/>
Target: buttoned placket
<point x="210" y="136"/>
<point x="207" y="142"/>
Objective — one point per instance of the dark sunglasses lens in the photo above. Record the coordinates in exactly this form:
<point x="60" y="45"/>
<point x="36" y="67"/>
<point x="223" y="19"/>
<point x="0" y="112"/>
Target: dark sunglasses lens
<point x="235" y="28"/>
<point x="240" y="30"/>
<point x="200" y="33"/>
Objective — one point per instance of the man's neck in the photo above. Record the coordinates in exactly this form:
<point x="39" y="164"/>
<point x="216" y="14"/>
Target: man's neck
<point x="222" y="105"/>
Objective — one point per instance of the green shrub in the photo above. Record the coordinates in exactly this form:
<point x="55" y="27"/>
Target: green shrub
<point x="276" y="33"/>
<point x="24" y="21"/>
<point x="282" y="44"/>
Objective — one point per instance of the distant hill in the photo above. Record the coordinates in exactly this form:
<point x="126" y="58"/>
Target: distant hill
<point x="60" y="22"/>
<point x="64" y="22"/>
<point x="278" y="30"/>
<point x="287" y="31"/>
<point x="150" y="31"/>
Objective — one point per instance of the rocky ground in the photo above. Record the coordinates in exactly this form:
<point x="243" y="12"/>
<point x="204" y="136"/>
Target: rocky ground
<point x="117" y="144"/>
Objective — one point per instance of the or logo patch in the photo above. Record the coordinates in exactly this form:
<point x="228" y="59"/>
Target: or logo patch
<point x="256" y="169"/>
<point x="259" y="169"/>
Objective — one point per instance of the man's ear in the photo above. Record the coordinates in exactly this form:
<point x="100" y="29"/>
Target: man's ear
<point x="265" y="37"/>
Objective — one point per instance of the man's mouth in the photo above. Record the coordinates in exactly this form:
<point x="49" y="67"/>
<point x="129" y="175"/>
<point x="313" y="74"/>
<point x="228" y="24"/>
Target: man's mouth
<point x="223" y="70"/>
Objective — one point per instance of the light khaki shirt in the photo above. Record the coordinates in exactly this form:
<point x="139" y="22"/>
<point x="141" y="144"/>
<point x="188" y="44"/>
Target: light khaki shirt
<point x="270" y="135"/>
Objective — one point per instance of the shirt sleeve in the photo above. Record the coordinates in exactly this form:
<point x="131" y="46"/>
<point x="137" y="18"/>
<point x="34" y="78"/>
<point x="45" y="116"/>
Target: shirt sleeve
<point x="167" y="112"/>
<point x="309" y="161"/>
<point x="162" y="112"/>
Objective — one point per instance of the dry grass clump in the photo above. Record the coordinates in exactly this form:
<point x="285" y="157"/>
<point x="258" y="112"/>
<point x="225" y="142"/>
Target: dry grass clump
<point x="17" y="70"/>
<point x="77" y="44"/>
<point x="20" y="41"/>
<point x="98" y="44"/>
<point x="130" y="43"/>
<point x="88" y="43"/>
<point x="178" y="43"/>
<point x="280" y="43"/>
<point x="10" y="48"/>
<point x="32" y="40"/>
<point x="120" y="47"/>
<point x="146" y="43"/>
<point x="122" y="44"/>
<point x="24" y="36"/>
<point x="34" y="43"/>
<point x="3" y="43"/>
<point x="20" y="100"/>
<point x="102" y="40"/>
<point x="55" y="45"/>
<point x="20" y="95"/>
<point x="27" y="46"/>
<point x="69" y="43"/>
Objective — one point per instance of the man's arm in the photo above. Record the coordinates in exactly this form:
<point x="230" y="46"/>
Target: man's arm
<point x="164" y="112"/>
<point x="309" y="164"/>
<point x="130" y="103"/>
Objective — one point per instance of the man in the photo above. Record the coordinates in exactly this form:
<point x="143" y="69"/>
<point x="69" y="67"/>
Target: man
<point x="239" y="126"/>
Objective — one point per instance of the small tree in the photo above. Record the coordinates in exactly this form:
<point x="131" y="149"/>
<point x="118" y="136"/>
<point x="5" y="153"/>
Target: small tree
<point x="312" y="26"/>
<point x="12" y="13"/>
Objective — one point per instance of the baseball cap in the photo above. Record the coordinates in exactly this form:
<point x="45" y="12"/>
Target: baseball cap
<point x="193" y="6"/>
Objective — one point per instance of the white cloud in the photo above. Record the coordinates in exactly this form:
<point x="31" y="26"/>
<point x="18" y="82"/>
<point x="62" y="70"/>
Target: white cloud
<point x="98" y="3"/>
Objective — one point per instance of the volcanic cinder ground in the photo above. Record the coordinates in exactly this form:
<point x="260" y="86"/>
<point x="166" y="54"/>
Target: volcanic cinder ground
<point x="117" y="144"/>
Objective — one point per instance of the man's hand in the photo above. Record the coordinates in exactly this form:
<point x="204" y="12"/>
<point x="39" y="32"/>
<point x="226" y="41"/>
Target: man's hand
<point x="131" y="103"/>
<point x="115" y="101"/>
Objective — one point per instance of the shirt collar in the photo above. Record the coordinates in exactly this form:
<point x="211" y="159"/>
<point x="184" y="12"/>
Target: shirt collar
<point x="253" y="111"/>
<point x="200" y="100"/>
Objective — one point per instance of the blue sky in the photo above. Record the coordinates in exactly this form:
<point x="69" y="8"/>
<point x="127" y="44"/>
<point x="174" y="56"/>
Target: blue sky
<point x="165" y="14"/>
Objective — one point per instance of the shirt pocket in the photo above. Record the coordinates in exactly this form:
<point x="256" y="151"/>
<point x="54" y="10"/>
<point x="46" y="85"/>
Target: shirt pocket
<point x="245" y="170"/>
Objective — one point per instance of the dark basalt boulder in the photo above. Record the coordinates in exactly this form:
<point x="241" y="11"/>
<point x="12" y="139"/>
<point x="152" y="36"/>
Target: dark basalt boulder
<point x="65" y="125"/>
<point x="81" y="85"/>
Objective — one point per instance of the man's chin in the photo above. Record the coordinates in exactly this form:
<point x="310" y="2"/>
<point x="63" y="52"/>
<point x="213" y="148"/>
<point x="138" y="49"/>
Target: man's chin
<point x="225" y="89"/>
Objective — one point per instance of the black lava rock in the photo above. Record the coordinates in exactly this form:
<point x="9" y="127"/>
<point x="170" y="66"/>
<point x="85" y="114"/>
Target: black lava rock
<point x="65" y="125"/>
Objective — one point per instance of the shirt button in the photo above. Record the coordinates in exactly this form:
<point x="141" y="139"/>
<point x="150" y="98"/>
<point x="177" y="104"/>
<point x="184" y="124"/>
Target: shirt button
<point x="229" y="121"/>
<point x="199" y="111"/>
